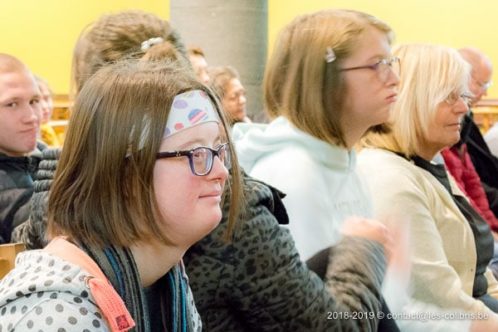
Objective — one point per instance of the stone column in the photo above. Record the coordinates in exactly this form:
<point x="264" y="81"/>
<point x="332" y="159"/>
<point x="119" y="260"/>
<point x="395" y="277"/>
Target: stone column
<point x="231" y="32"/>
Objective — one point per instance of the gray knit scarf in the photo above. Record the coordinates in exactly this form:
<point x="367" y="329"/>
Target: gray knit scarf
<point x="120" y="268"/>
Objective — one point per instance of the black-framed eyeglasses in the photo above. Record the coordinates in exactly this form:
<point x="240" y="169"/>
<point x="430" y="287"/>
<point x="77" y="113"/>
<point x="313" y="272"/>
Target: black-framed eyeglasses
<point x="201" y="159"/>
<point x="383" y="68"/>
<point x="454" y="97"/>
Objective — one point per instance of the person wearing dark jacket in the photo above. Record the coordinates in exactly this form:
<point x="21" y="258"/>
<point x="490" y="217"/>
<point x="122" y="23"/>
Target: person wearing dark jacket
<point x="32" y="232"/>
<point x="485" y="163"/>
<point x="257" y="281"/>
<point x="19" y="126"/>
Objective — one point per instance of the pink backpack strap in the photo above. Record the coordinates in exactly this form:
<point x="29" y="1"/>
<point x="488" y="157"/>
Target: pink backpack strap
<point x="108" y="300"/>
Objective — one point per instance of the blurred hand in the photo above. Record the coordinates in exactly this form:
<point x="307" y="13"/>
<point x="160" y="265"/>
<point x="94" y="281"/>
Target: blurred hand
<point x="490" y="324"/>
<point x="369" y="229"/>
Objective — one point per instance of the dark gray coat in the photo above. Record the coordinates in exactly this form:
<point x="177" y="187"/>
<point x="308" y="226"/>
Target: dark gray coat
<point x="258" y="282"/>
<point x="32" y="232"/>
<point x="16" y="188"/>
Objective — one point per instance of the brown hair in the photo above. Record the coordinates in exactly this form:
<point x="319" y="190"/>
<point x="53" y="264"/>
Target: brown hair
<point x="300" y="85"/>
<point x="116" y="36"/>
<point x="104" y="180"/>
<point x="220" y="78"/>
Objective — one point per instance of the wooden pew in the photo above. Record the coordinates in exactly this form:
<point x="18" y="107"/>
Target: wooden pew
<point x="486" y="114"/>
<point x="8" y="253"/>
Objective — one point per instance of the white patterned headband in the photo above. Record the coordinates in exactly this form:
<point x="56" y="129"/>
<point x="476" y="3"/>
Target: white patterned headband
<point x="190" y="109"/>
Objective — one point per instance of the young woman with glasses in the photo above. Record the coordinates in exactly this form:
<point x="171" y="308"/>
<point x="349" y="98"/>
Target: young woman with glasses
<point x="245" y="275"/>
<point x="331" y="79"/>
<point x="140" y="179"/>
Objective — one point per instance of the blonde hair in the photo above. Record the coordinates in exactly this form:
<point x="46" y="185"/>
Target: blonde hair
<point x="104" y="180"/>
<point x="300" y="85"/>
<point x="429" y="75"/>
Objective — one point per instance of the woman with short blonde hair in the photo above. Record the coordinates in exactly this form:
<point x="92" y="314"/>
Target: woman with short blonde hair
<point x="421" y="94"/>
<point x="450" y="242"/>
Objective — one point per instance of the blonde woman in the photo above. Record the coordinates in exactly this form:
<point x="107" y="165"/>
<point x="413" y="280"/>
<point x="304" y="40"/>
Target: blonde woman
<point x="451" y="244"/>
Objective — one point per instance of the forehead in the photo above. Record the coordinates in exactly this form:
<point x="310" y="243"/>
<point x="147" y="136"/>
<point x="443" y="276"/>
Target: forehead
<point x="234" y="85"/>
<point x="17" y="83"/>
<point x="43" y="89"/>
<point x="371" y="44"/>
<point x="482" y="72"/>
<point x="198" y="60"/>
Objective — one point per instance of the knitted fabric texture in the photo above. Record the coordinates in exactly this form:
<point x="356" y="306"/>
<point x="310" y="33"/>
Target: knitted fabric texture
<point x="32" y="232"/>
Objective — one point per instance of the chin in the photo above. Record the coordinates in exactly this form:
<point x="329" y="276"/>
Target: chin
<point x="212" y="219"/>
<point x="29" y="147"/>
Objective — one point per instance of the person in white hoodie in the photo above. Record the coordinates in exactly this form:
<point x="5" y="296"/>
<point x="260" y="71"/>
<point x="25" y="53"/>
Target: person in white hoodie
<point x="331" y="79"/>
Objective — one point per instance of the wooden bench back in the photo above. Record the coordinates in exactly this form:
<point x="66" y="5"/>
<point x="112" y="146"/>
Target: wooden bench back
<point x="8" y="253"/>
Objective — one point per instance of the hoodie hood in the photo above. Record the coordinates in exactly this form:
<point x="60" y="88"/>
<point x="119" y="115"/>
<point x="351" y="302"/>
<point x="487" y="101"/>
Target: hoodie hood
<point x="255" y="141"/>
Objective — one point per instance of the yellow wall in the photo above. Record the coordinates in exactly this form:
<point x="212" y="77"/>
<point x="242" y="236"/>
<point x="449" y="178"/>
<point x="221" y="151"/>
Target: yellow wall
<point x="42" y="33"/>
<point x="454" y="23"/>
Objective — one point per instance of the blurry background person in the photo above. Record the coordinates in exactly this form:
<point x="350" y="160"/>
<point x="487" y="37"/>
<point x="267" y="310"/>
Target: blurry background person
<point x="225" y="81"/>
<point x="458" y="160"/>
<point x="484" y="162"/>
<point x="199" y="64"/>
<point x="19" y="150"/>
<point x="491" y="138"/>
<point x="47" y="133"/>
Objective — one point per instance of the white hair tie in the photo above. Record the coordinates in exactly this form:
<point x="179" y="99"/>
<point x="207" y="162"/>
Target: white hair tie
<point x="151" y="42"/>
<point x="330" y="55"/>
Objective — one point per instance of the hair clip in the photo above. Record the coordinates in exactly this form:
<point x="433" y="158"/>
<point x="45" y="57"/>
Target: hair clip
<point x="151" y="42"/>
<point x="330" y="55"/>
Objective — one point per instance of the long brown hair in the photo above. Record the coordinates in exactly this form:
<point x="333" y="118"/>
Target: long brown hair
<point x="103" y="188"/>
<point x="300" y="84"/>
<point x="120" y="35"/>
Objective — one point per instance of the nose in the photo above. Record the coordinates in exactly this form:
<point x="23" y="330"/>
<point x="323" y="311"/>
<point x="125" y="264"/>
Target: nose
<point x="219" y="171"/>
<point x="461" y="107"/>
<point x="32" y="113"/>
<point x="393" y="79"/>
<point x="242" y="99"/>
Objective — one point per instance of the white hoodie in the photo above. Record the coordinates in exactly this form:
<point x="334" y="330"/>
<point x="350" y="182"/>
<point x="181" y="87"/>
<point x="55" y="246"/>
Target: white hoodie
<point x="319" y="180"/>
